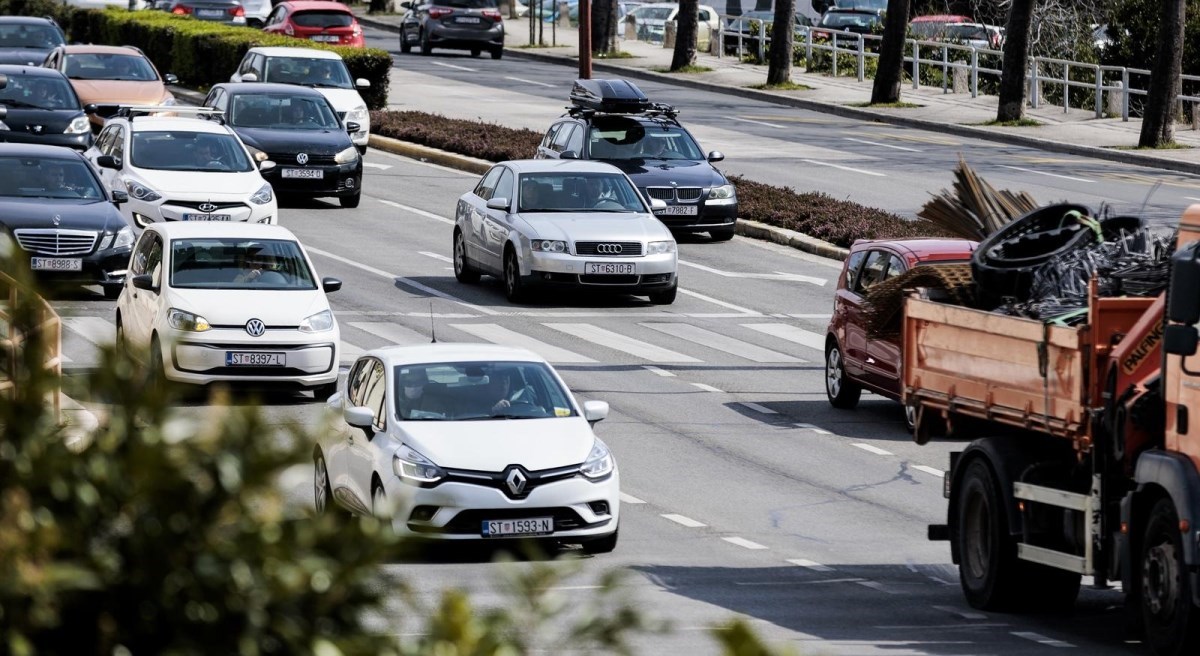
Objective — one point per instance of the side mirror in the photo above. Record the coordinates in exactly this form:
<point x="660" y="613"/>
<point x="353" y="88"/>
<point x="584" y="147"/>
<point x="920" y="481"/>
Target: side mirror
<point x="657" y="204"/>
<point x="171" y="78"/>
<point x="362" y="83"/>
<point x="359" y="416"/>
<point x="90" y="108"/>
<point x="594" y="411"/>
<point x="108" y="162"/>
<point x="143" y="281"/>
<point x="119" y="197"/>
<point x="353" y="127"/>
<point x="498" y="204"/>
<point x="1184" y="295"/>
<point x="250" y="77"/>
<point x="331" y="285"/>
<point x="1181" y="340"/>
<point x="568" y="154"/>
<point x="716" y="156"/>
<point x="266" y="165"/>
<point x="3" y="80"/>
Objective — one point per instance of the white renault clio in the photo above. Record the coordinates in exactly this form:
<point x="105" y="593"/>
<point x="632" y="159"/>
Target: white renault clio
<point x="209" y="302"/>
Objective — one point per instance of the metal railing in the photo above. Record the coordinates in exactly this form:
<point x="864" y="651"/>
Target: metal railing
<point x="13" y="339"/>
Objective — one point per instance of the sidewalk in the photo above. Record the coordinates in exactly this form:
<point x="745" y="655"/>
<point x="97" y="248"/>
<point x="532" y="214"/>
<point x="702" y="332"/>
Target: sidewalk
<point x="1075" y="131"/>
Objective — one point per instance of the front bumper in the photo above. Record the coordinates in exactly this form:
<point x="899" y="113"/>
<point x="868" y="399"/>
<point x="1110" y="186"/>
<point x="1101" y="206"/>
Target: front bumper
<point x="710" y="215"/>
<point x="310" y="359"/>
<point x="651" y="272"/>
<point x="105" y="268"/>
<point x="141" y="213"/>
<point x="76" y="141"/>
<point x="336" y="180"/>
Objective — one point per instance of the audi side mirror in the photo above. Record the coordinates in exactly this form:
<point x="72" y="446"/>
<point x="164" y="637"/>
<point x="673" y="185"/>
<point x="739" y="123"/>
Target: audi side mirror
<point x="330" y="285"/>
<point x="108" y="162"/>
<point x="119" y="197"/>
<point x="716" y="156"/>
<point x="143" y="281"/>
<point x="498" y="204"/>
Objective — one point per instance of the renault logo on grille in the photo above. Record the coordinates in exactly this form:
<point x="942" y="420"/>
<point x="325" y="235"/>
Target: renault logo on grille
<point x="206" y="207"/>
<point x="516" y="481"/>
<point x="255" y="327"/>
<point x="302" y="158"/>
<point x="609" y="249"/>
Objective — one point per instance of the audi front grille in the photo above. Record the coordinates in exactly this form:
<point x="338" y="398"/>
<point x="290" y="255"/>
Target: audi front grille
<point x="609" y="248"/>
<point x="55" y="241"/>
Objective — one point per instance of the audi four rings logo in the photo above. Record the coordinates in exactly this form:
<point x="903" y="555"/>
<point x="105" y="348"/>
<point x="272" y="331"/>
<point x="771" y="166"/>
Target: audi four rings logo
<point x="255" y="327"/>
<point x="609" y="249"/>
<point x="516" y="481"/>
<point x="302" y="158"/>
<point x="206" y="207"/>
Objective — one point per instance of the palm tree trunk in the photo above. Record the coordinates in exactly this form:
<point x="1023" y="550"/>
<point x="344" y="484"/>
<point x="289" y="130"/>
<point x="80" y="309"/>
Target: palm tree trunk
<point x="886" y="88"/>
<point x="1158" y="123"/>
<point x="1016" y="60"/>
<point x="779" y="60"/>
<point x="685" y="34"/>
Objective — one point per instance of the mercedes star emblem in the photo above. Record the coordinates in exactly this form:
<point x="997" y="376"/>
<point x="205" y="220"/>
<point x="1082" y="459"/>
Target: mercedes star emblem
<point x="57" y="219"/>
<point x="255" y="327"/>
<point x="516" y="481"/>
<point x="609" y="249"/>
<point x="206" y="207"/>
<point x="302" y="158"/>
<point x="36" y="129"/>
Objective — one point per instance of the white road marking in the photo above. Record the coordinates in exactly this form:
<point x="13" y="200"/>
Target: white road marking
<point x="744" y="543"/>
<point x="1192" y="198"/>
<point x="714" y="340"/>
<point x="1045" y="173"/>
<point x="815" y="566"/>
<point x="498" y="334"/>
<point x="810" y="316"/>
<point x="417" y="211"/>
<point x="521" y="79"/>
<point x="350" y="352"/>
<point x="373" y="165"/>
<point x="790" y="333"/>
<point x="1041" y="639"/>
<point x="392" y="332"/>
<point x="930" y="470"/>
<point x="759" y="408"/>
<point x="845" y="168"/>
<point x="684" y="521"/>
<point x="883" y="145"/>
<point x="100" y="332"/>
<point x="409" y="160"/>
<point x="658" y="372"/>
<point x="750" y="120"/>
<point x="966" y="615"/>
<point x="707" y="388"/>
<point x="778" y="275"/>
<point x="942" y="581"/>
<point x="816" y="429"/>
<point x="872" y="449"/>
<point x="731" y="306"/>
<point x="455" y="66"/>
<point x="876" y="585"/>
<point x="436" y="256"/>
<point x="618" y="342"/>
<point x="630" y="499"/>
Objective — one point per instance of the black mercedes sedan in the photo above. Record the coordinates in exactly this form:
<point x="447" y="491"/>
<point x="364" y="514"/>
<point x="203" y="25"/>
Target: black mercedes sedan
<point x="42" y="108"/>
<point x="28" y="39"/>
<point x="298" y="129"/>
<point x="54" y="205"/>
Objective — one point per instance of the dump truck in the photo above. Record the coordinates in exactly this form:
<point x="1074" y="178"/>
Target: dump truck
<point x="1083" y="460"/>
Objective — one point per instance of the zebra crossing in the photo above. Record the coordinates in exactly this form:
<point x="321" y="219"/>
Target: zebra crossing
<point x="648" y="342"/>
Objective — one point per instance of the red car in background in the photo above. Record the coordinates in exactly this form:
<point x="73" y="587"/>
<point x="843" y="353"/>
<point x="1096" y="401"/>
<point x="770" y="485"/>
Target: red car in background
<point x="854" y="361"/>
<point x="317" y="20"/>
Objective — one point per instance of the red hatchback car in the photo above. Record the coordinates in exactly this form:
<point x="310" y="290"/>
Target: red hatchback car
<point x="853" y="360"/>
<point x="317" y="20"/>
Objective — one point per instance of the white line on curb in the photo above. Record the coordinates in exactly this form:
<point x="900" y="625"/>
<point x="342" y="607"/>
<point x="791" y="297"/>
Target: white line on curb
<point x="684" y="521"/>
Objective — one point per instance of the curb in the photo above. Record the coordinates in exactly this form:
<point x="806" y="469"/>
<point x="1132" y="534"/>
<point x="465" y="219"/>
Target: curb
<point x="366" y="19"/>
<point x="428" y="154"/>
<point x="796" y="240"/>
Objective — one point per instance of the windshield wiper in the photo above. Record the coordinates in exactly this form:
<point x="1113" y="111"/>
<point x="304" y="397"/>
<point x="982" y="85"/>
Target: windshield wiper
<point x="18" y="103"/>
<point x="323" y="85"/>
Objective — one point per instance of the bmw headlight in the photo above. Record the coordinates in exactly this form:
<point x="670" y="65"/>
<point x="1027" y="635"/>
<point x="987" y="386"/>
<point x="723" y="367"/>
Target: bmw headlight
<point x="724" y="191"/>
<point x="317" y="323"/>
<point x="548" y="246"/>
<point x="141" y="192"/>
<point x="358" y="115"/>
<point x="258" y="155"/>
<point x="346" y="156"/>
<point x="599" y="462"/>
<point x="414" y="468"/>
<point x="263" y="196"/>
<point x="660" y="247"/>
<point x="183" y="320"/>
<point x="79" y="125"/>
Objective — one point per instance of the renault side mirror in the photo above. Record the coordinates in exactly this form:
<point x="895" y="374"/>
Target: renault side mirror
<point x="362" y="83"/>
<point x="1184" y="304"/>
<point x="498" y="204"/>
<point x="657" y="204"/>
<point x="594" y="411"/>
<point x="330" y="285"/>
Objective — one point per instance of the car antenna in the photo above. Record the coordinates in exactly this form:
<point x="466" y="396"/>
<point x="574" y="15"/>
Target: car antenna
<point x="432" y="325"/>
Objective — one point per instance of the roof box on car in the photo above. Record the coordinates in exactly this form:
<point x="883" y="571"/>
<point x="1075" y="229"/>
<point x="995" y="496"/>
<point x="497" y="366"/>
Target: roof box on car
<point x="609" y="96"/>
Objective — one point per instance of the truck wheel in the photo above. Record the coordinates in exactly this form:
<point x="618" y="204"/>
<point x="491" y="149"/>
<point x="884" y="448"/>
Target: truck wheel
<point x="1172" y="623"/>
<point x="842" y="392"/>
<point x="987" y="553"/>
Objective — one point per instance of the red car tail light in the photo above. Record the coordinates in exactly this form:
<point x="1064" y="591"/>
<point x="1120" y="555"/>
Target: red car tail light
<point x="438" y="12"/>
<point x="493" y="14"/>
<point x="181" y="10"/>
<point x="237" y="11"/>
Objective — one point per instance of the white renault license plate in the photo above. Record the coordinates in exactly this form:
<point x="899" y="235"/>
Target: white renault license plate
<point x="680" y="210"/>
<point x="468" y="19"/>
<point x="254" y="359"/>
<point x="327" y="38"/>
<point x="314" y="174"/>
<point x="207" y="217"/>
<point x="609" y="269"/>
<point x="56" y="264"/>
<point x="532" y="526"/>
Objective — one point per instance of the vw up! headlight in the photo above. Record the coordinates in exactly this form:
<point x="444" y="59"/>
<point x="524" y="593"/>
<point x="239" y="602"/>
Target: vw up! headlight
<point x="358" y="115"/>
<point x="414" y="468"/>
<point x="184" y="320"/>
<point x="317" y="323"/>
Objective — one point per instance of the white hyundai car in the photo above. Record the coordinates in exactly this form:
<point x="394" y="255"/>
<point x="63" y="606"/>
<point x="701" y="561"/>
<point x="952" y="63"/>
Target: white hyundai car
<point x="208" y="302"/>
<point x="469" y="442"/>
<point x="192" y="167"/>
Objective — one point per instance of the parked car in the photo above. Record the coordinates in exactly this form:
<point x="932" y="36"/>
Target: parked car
<point x="56" y="208"/>
<point x="110" y="76"/>
<point x="652" y="20"/>
<point x="935" y="26"/>
<point x="859" y="21"/>
<point x="472" y="25"/>
<point x="257" y="12"/>
<point x="469" y="442"/>
<point x="322" y="70"/>
<point x="28" y="39"/>
<point x="230" y="12"/>
<point x="854" y="360"/>
<point x="742" y="33"/>
<point x="182" y="168"/>
<point x="316" y="20"/>
<point x="42" y="108"/>
<point x="563" y="223"/>
<point x="612" y="121"/>
<point x="976" y="35"/>
<point x="298" y="129"/>
<point x="215" y="302"/>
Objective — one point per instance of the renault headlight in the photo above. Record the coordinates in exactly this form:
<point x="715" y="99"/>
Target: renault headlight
<point x="183" y="320"/>
<point x="78" y="125"/>
<point x="724" y="191"/>
<point x="414" y="468"/>
<point x="141" y="192"/>
<point x="358" y="115"/>
<point x="263" y="196"/>
<point x="548" y="246"/>
<point x="317" y="323"/>
<point x="346" y="156"/>
<point x="258" y="155"/>
<point x="599" y="462"/>
<point x="660" y="247"/>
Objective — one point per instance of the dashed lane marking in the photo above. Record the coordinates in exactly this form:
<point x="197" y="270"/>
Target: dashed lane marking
<point x="521" y="79"/>
<point x="417" y="211"/>
<point x="750" y="120"/>
<point x="759" y="408"/>
<point x="724" y="343"/>
<point x="816" y="429"/>
<point x="883" y="145"/>
<point x="684" y="521"/>
<point x="872" y="449"/>
<point x="498" y="334"/>
<point x="657" y="371"/>
<point x="1047" y="173"/>
<point x="1041" y="639"/>
<point x="373" y="165"/>
<point x="724" y="304"/>
<point x="815" y="566"/>
<point x="436" y="256"/>
<point x="930" y="470"/>
<point x="845" y="168"/>
<point x="744" y="543"/>
<point x="965" y="614"/>
<point x="707" y="388"/>
<point x="876" y="585"/>
<point x="455" y="66"/>
<point x="630" y="499"/>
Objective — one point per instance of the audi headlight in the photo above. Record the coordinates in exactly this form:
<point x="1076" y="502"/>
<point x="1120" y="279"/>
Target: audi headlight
<point x="599" y="462"/>
<point x="346" y="156"/>
<point x="317" y="323"/>
<point x="78" y="126"/>
<point x="659" y="247"/>
<point x="258" y="155"/>
<point x="263" y="196"/>
<point x="414" y="468"/>
<point x="141" y="192"/>
<point x="724" y="191"/>
<point x="358" y="115"/>
<point x="183" y="320"/>
<point x="548" y="246"/>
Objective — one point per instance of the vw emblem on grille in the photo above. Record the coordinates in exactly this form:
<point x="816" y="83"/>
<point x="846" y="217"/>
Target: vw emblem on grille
<point x="302" y="158"/>
<point x="255" y="327"/>
<point x="36" y="129"/>
<point x="206" y="207"/>
<point x="57" y="219"/>
<point x="609" y="249"/>
<point x="516" y="481"/>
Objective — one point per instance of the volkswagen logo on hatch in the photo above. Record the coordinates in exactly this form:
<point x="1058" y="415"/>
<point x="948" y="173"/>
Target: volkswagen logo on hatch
<point x="302" y="158"/>
<point x="255" y="328"/>
<point x="516" y="481"/>
<point x="609" y="249"/>
<point x="206" y="207"/>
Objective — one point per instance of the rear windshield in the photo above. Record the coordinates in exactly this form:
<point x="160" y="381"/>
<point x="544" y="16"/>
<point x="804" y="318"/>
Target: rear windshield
<point x="849" y="19"/>
<point x="323" y="18"/>
<point x="35" y="37"/>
